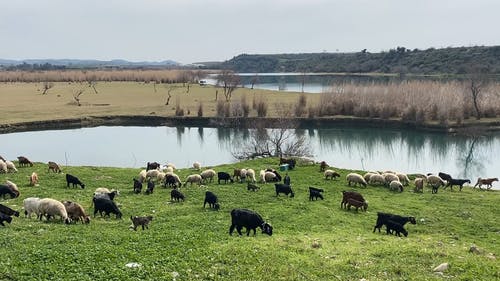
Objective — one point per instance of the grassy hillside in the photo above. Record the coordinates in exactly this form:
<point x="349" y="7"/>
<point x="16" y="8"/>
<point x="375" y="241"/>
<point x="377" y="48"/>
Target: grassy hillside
<point x="311" y="240"/>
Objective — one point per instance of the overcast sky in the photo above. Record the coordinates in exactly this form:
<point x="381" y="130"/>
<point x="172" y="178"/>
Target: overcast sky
<point x="206" y="30"/>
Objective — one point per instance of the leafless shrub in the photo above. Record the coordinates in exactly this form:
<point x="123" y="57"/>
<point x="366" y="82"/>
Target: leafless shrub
<point x="200" y="109"/>
<point x="300" y="107"/>
<point x="219" y="109"/>
<point x="178" y="110"/>
<point x="236" y="109"/>
<point x="261" y="108"/>
<point x="244" y="106"/>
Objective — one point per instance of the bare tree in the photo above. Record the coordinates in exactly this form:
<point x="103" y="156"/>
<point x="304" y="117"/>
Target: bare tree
<point x="76" y="96"/>
<point x="477" y="84"/>
<point x="92" y="82"/>
<point x="170" y="90"/>
<point x="255" y="80"/>
<point x="229" y="81"/>
<point x="47" y="86"/>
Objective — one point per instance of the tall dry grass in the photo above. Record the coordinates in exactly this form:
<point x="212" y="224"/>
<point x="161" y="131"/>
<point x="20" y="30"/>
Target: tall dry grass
<point x="412" y="101"/>
<point x="137" y="75"/>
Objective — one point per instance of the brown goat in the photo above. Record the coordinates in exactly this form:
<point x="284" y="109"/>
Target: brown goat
<point x="23" y="161"/>
<point x="33" y="179"/>
<point x="54" y="167"/>
<point x="488" y="182"/>
<point x="350" y="195"/>
<point x="76" y="212"/>
<point x="357" y="204"/>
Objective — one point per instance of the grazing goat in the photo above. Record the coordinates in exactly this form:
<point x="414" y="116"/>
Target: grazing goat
<point x="444" y="176"/>
<point x="137" y="186"/>
<point x="323" y="166"/>
<point x="142" y="221"/>
<point x="459" y="182"/>
<point x="23" y="161"/>
<point x="8" y="211"/>
<point x="33" y="179"/>
<point x="76" y="212"/>
<point x="172" y="180"/>
<point x="278" y="176"/>
<point x="286" y="180"/>
<point x="346" y="195"/>
<point x="3" y="218"/>
<point x="53" y="167"/>
<point x="176" y="195"/>
<point x="283" y="188"/>
<point x="107" y="206"/>
<point x="250" y="220"/>
<point x="252" y="187"/>
<point x="315" y="193"/>
<point x="357" y="204"/>
<point x="4" y="190"/>
<point x="397" y="227"/>
<point x="488" y="182"/>
<point x="151" y="186"/>
<point x="383" y="218"/>
<point x="73" y="180"/>
<point x="212" y="200"/>
<point x="224" y="176"/>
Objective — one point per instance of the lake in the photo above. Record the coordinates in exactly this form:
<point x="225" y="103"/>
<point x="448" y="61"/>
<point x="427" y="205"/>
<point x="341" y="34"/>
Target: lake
<point x="364" y="149"/>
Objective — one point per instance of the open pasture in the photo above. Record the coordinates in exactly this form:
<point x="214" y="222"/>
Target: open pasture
<point x="312" y="240"/>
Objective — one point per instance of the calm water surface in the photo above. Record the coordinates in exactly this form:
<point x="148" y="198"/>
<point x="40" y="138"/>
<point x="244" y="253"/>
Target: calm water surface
<point x="366" y="149"/>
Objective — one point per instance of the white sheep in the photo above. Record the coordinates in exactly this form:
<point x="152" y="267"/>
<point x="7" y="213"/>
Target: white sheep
<point x="101" y="190"/>
<point x="389" y="177"/>
<point x="31" y="206"/>
<point x="367" y="176"/>
<point x="331" y="174"/>
<point x="403" y="178"/>
<point x="142" y="176"/>
<point x="251" y="175"/>
<point x="3" y="167"/>
<point x="377" y="179"/>
<point x="356" y="179"/>
<point x="396" y="186"/>
<point x="10" y="166"/>
<point x="419" y="185"/>
<point x="196" y="165"/>
<point x="262" y="176"/>
<point x="169" y="170"/>
<point x="269" y="177"/>
<point x="171" y="166"/>
<point x="208" y="175"/>
<point x="195" y="178"/>
<point x="152" y="174"/>
<point x="161" y="176"/>
<point x="12" y="186"/>
<point x="51" y="208"/>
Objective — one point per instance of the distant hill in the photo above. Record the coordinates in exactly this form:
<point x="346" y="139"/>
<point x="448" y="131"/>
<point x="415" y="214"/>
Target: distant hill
<point x="76" y="63"/>
<point x="400" y="60"/>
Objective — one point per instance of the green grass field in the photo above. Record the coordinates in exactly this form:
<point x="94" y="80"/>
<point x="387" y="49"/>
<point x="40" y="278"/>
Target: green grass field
<point x="311" y="240"/>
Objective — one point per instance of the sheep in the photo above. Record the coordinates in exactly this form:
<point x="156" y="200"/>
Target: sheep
<point x="161" y="177"/>
<point x="150" y="188"/>
<point x="239" y="174"/>
<point x="250" y="220"/>
<point x="419" y="185"/>
<point x="283" y="188"/>
<point x="2" y="159"/>
<point x="224" y="176"/>
<point x="194" y="178"/>
<point x="208" y="175"/>
<point x="356" y="179"/>
<point x="377" y="179"/>
<point x="52" y="166"/>
<point x="459" y="182"/>
<point x="350" y="194"/>
<point x="270" y="177"/>
<point x="197" y="166"/>
<point x="34" y="179"/>
<point x="76" y="212"/>
<point x="262" y="176"/>
<point x="243" y="175"/>
<point x="488" y="182"/>
<point x="8" y="211"/>
<point x="142" y="221"/>
<point x="176" y="195"/>
<point x="11" y="167"/>
<point x="172" y="180"/>
<point x="3" y="167"/>
<point x="212" y="200"/>
<point x="278" y="176"/>
<point x="358" y="204"/>
<point x="367" y="176"/>
<point x="390" y="177"/>
<point x="397" y="227"/>
<point x="253" y="187"/>
<point x="49" y="207"/>
<point x="323" y="166"/>
<point x="314" y="193"/>
<point x="382" y="219"/>
<point x="100" y="190"/>
<point x="142" y="176"/>
<point x="169" y="170"/>
<point x="435" y="182"/>
<point x="4" y="217"/>
<point x="74" y="181"/>
<point x="137" y="185"/>
<point x="251" y="175"/>
<point x="31" y="206"/>
<point x="23" y="161"/>
<point x="152" y="166"/>
<point x="152" y="174"/>
<point x="403" y="178"/>
<point x="395" y="185"/>
<point x="107" y="206"/>
<point x="331" y="174"/>
<point x="171" y="166"/>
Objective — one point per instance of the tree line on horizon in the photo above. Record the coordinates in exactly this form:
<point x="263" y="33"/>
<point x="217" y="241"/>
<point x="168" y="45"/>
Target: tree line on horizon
<point x="451" y="60"/>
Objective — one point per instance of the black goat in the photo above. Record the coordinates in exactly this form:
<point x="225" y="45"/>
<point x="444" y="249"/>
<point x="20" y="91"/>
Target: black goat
<point x="152" y="166"/>
<point x="459" y="182"/>
<point x="171" y="181"/>
<point x="250" y="220"/>
<point x="8" y="211"/>
<point x="278" y="176"/>
<point x="4" y="217"/>
<point x="176" y="195"/>
<point x="283" y="188"/>
<point x="73" y="180"/>
<point x="315" y="193"/>
<point x="286" y="180"/>
<point x="137" y="186"/>
<point x="444" y="176"/>
<point x="253" y="187"/>
<point x="224" y="176"/>
<point x="382" y="219"/>
<point x="107" y="206"/>
<point x="212" y="200"/>
<point x="151" y="186"/>
<point x="4" y="190"/>
<point x="397" y="227"/>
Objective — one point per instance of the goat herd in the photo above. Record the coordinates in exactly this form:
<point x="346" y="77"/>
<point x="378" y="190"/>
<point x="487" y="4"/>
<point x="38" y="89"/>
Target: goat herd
<point x="155" y="173"/>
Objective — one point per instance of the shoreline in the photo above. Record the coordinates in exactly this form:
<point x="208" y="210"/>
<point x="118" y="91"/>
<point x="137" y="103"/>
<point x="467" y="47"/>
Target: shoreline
<point x="242" y="122"/>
